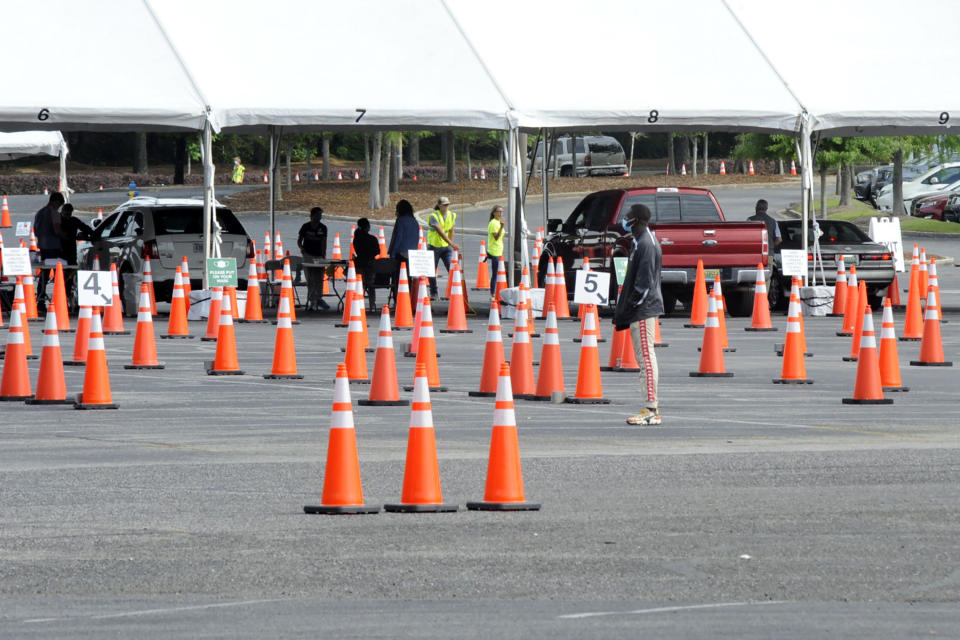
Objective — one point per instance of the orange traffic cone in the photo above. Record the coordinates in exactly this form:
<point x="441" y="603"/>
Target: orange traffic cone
<point x="454" y="264"/>
<point x="933" y="284"/>
<point x="616" y="350"/>
<point x="96" y="378"/>
<point x="337" y="255"/>
<point x="931" y="348"/>
<point x="867" y="389"/>
<point x="253" y="312"/>
<point x="421" y="474"/>
<point x="15" y="384"/>
<point x="348" y="294"/>
<point x="492" y="356"/>
<point x="521" y="356"/>
<point x="723" y="168"/>
<point x="60" y="300"/>
<point x="148" y="280"/>
<point x="342" y="488"/>
<point x="225" y="359"/>
<point x="590" y="309"/>
<point x="913" y="323"/>
<point x="187" y="285"/>
<point x="793" y="168"/>
<point x="213" y="315"/>
<point x="51" y="385"/>
<point x="889" y="360"/>
<point x="360" y="293"/>
<point x="589" y="384"/>
<point x="402" y="311"/>
<point x="82" y="338"/>
<point x="657" y="339"/>
<point x="893" y="292"/>
<point x="850" y="304"/>
<point x="427" y="350"/>
<point x="711" y="352"/>
<point x="483" y="274"/>
<point x="858" y="328"/>
<point x="113" y="313"/>
<point x="839" y="291"/>
<point x="177" y="324"/>
<point x="30" y="297"/>
<point x="284" y="352"/>
<point x="355" y="358"/>
<point x="924" y="274"/>
<point x="5" y="222"/>
<point x="699" y="308"/>
<point x="504" y="487"/>
<point x="722" y="315"/>
<point x="794" y="368"/>
<point x="528" y="303"/>
<point x="384" y="390"/>
<point x="382" y="241"/>
<point x="550" y="374"/>
<point x="421" y="293"/>
<point x="549" y="287"/>
<point x="456" y="317"/>
<point x="19" y="304"/>
<point x="144" y="345"/>
<point x="502" y="283"/>
<point x="356" y="174"/>
<point x="232" y="293"/>
<point x="750" y="170"/>
<point x="760" y="321"/>
<point x="286" y="290"/>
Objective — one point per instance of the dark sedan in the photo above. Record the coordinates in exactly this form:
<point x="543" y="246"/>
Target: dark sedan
<point x="839" y="240"/>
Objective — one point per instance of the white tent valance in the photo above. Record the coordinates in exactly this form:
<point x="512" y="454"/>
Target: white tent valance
<point x="31" y="143"/>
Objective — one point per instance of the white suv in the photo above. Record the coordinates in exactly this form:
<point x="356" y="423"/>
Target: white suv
<point x="596" y="156"/>
<point x="935" y="179"/>
<point x="166" y="229"/>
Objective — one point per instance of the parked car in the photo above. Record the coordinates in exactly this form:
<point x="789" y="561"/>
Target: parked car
<point x="596" y="156"/>
<point x="934" y="204"/>
<point x="839" y="240"/>
<point x="885" y="176"/>
<point x="166" y="229"/>
<point x="933" y="180"/>
<point x="689" y="225"/>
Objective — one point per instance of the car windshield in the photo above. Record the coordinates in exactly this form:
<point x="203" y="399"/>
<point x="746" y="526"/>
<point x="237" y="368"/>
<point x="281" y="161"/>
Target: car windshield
<point x="176" y="220"/>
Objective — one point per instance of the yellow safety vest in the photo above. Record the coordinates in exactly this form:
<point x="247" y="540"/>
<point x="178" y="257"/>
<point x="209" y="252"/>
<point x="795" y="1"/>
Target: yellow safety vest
<point x="436" y="218"/>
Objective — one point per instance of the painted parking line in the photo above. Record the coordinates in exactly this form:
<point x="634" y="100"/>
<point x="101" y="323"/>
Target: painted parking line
<point x="637" y="612"/>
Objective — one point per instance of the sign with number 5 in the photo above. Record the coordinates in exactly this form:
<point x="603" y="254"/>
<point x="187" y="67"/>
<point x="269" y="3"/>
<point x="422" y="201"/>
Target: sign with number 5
<point x="592" y="287"/>
<point x="94" y="289"/>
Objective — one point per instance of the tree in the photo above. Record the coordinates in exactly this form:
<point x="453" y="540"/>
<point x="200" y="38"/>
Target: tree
<point x="140" y="152"/>
<point x="325" y="152"/>
<point x="374" y="172"/>
<point x="450" y="156"/>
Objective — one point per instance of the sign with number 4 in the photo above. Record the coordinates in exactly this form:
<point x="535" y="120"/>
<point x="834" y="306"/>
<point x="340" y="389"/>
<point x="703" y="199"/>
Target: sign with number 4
<point x="592" y="287"/>
<point x="94" y="289"/>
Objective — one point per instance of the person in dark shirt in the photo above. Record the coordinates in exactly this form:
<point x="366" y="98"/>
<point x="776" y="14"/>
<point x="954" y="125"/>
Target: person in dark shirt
<point x="405" y="237"/>
<point x="773" y="229"/>
<point x="46" y="225"/>
<point x="367" y="248"/>
<point x="312" y="241"/>
<point x="71" y="230"/>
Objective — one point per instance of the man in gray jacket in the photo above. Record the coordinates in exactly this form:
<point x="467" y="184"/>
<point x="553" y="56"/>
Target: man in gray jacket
<point x="638" y="307"/>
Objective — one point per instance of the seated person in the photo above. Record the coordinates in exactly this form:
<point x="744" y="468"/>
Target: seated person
<point x="367" y="248"/>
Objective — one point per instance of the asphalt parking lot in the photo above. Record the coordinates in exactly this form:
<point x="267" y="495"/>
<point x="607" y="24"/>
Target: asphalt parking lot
<point x="754" y="511"/>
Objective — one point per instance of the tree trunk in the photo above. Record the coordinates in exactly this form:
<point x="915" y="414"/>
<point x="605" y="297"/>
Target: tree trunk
<point x="706" y="153"/>
<point x="671" y="156"/>
<point x="694" y="163"/>
<point x="633" y="140"/>
<point x="286" y="152"/>
<point x="140" y="152"/>
<point x="394" y="165"/>
<point x="845" y="172"/>
<point x="398" y="169"/>
<point x="374" y="171"/>
<point x="573" y="154"/>
<point x="385" y="163"/>
<point x="681" y="152"/>
<point x="466" y="155"/>
<point x="780" y="165"/>
<point x="898" y="182"/>
<point x="837" y="184"/>
<point x="188" y="165"/>
<point x="180" y="159"/>
<point x="325" y="153"/>
<point x="366" y="155"/>
<point x="414" y="152"/>
<point x="823" y="192"/>
<point x="276" y="180"/>
<point x="451" y="157"/>
<point x="308" y="166"/>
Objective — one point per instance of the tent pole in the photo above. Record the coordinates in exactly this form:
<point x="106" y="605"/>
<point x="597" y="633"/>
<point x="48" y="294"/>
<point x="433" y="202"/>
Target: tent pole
<point x="544" y="183"/>
<point x="63" y="172"/>
<point x="271" y="170"/>
<point x="208" y="198"/>
<point x="806" y="172"/>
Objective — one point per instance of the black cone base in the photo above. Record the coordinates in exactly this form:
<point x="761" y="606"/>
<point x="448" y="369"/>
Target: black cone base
<point x="697" y="374"/>
<point x="142" y="366"/>
<point x="792" y="381"/>
<point x="577" y="339"/>
<point x="661" y="344"/>
<point x="456" y="330"/>
<point x="283" y="376"/>
<point x="33" y="357"/>
<point x="503" y="506"/>
<point x="341" y="510"/>
<point x="524" y="396"/>
<point x="432" y="389"/>
<point x="835" y="315"/>
<point x="242" y="321"/>
<point x="761" y="329"/>
<point x="366" y="350"/>
<point x="383" y="403"/>
<point x="540" y="398"/>
<point x="206" y="339"/>
<point x="226" y="372"/>
<point x="573" y="400"/>
<point x="67" y="400"/>
<point x="868" y="401"/>
<point x="896" y="389"/>
<point x="482" y="394"/>
<point x="402" y="328"/>
<point x="903" y="339"/>
<point x="403" y="507"/>
<point x="74" y="363"/>
<point x="116" y="333"/>
<point x="850" y="358"/>
<point x="340" y="325"/>
<point x="358" y="381"/>
<point x="694" y="326"/>
<point x="14" y="398"/>
<point x="725" y="349"/>
<point x="80" y="405"/>
<point x="921" y="363"/>
<point x="845" y="334"/>
<point x="170" y="337"/>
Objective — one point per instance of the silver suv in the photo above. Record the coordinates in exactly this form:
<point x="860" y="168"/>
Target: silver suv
<point x="166" y="229"/>
<point x="596" y="156"/>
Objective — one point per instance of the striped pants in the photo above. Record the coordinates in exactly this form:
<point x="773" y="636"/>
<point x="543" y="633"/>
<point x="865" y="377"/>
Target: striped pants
<point x="642" y="332"/>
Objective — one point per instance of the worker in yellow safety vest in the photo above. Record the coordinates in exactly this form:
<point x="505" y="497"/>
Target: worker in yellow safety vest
<point x="238" y="170"/>
<point x="440" y="237"/>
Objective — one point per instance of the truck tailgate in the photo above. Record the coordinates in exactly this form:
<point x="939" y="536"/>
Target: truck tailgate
<point x="723" y="244"/>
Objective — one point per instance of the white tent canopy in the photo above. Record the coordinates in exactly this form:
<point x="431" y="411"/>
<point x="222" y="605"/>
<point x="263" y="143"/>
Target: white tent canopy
<point x="33" y="143"/>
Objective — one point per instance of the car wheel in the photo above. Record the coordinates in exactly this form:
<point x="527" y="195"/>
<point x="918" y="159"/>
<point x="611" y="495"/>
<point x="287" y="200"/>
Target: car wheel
<point x="566" y="172"/>
<point x="778" y="300"/>
<point x="741" y="304"/>
<point x="669" y="303"/>
<point x="949" y="216"/>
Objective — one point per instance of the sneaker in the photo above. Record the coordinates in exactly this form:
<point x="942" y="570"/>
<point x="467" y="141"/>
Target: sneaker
<point x="321" y="306"/>
<point x="645" y="417"/>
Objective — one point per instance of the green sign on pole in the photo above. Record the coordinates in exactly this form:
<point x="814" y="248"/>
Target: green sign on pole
<point x="222" y="272"/>
<point x="620" y="265"/>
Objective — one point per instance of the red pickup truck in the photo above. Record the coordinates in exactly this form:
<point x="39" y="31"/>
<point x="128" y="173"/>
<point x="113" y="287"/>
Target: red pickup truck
<point x="689" y="224"/>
